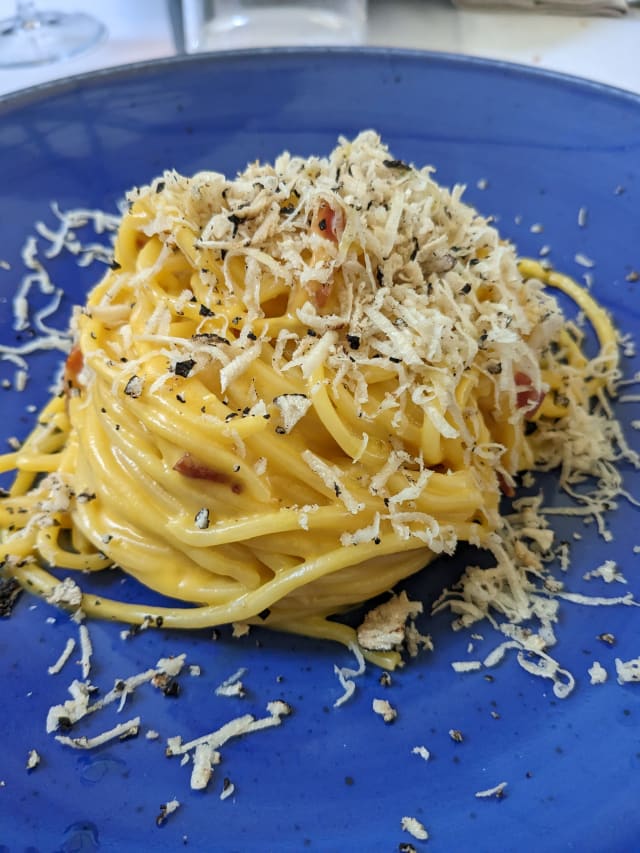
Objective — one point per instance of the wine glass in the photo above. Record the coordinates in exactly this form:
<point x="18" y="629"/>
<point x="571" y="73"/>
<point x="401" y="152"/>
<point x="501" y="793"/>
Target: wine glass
<point x="33" y="37"/>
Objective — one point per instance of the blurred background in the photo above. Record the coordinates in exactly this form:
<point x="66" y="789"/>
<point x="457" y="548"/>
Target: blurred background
<point x="597" y="39"/>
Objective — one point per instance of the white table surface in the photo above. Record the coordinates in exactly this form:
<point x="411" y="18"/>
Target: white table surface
<point x="602" y="49"/>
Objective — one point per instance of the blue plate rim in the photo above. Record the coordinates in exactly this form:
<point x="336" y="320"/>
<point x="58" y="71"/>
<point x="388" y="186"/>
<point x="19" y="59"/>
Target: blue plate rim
<point x="25" y="96"/>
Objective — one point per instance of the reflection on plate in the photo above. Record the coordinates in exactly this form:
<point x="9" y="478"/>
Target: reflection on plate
<point x="534" y="149"/>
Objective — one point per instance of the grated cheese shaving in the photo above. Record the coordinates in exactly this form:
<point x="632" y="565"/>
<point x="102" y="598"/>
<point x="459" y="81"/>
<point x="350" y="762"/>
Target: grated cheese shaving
<point x="33" y="759"/>
<point x="232" y="686"/>
<point x="347" y="674"/>
<point x="628" y="671"/>
<point x="597" y="673"/>
<point x="86" y="650"/>
<point x="66" y="653"/>
<point x="608" y="571"/>
<point x="422" y="751"/>
<point x="497" y="791"/>
<point x="67" y="592"/>
<point x="413" y="826"/>
<point x="385" y="709"/>
<point x="120" y="731"/>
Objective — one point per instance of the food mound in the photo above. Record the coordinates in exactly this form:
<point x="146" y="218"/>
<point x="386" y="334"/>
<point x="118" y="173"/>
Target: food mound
<point x="292" y="389"/>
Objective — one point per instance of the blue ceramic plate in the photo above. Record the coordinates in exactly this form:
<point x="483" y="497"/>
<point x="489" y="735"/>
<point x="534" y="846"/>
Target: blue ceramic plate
<point x="334" y="778"/>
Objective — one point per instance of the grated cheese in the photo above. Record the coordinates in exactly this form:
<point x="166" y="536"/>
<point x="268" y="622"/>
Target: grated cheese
<point x="414" y="828"/>
<point x="206" y="747"/>
<point x="232" y="686"/>
<point x="466" y="665"/>
<point x="66" y="653"/>
<point x="86" y="650"/>
<point x="79" y="706"/>
<point x="67" y="592"/>
<point x="385" y="627"/>
<point x="347" y="674"/>
<point x="497" y="791"/>
<point x="608" y="571"/>
<point x="385" y="709"/>
<point x="118" y="732"/>
<point x="597" y="673"/>
<point x="33" y="759"/>
<point x="167" y="809"/>
<point x="628" y="671"/>
<point x="422" y="751"/>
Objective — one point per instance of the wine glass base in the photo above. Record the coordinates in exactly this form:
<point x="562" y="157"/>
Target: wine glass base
<point x="46" y="36"/>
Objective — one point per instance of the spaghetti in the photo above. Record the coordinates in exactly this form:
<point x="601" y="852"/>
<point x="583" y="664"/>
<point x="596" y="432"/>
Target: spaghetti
<point x="292" y="390"/>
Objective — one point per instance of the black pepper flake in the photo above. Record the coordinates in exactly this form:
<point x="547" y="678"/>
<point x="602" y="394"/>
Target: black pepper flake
<point x="181" y="398"/>
<point x="337" y="490"/>
<point x="495" y="368"/>
<point x="235" y="221"/>
<point x="252" y="336"/>
<point x="209" y="338"/>
<point x="312" y="333"/>
<point x="184" y="368"/>
<point x="114" y="265"/>
<point x="354" y="341"/>
<point x="379" y="276"/>
<point x="466" y="288"/>
<point x="397" y="164"/>
<point x="64" y="724"/>
<point x="10" y="591"/>
<point x="264" y="614"/>
<point x="280" y="430"/>
<point x="394" y="360"/>
<point x="406" y="848"/>
<point x="171" y="688"/>
<point x="530" y="427"/>
<point x="206" y="312"/>
<point x="160" y="186"/>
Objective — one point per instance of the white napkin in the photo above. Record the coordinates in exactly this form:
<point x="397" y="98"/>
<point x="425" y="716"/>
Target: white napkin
<point x="608" y="8"/>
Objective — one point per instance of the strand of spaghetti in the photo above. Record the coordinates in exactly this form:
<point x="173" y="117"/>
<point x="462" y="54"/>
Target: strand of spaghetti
<point x="598" y="317"/>
<point x="244" y="607"/>
<point x="325" y="629"/>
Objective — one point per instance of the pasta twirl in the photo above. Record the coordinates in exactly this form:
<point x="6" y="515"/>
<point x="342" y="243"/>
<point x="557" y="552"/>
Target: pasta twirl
<point x="292" y="390"/>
